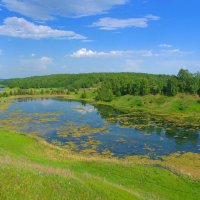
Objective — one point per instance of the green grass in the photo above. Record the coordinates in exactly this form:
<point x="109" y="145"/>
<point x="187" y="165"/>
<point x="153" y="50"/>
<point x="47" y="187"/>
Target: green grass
<point x="179" y="104"/>
<point x="33" y="169"/>
<point x="182" y="109"/>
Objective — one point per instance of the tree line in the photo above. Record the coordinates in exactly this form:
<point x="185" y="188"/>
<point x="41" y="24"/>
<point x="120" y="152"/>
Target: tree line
<point x="112" y="84"/>
<point x="184" y="82"/>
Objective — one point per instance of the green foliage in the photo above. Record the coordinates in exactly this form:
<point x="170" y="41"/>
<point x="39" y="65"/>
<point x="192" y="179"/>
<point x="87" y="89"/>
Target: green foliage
<point x="117" y="84"/>
<point x="33" y="91"/>
<point x="84" y="95"/>
<point x="188" y="82"/>
<point x="69" y="81"/>
<point x="159" y="103"/>
<point x="172" y="86"/>
<point x="139" y="102"/>
<point x="182" y="106"/>
<point x="144" y="87"/>
<point x="4" y="94"/>
<point x="76" y="91"/>
<point x="105" y="93"/>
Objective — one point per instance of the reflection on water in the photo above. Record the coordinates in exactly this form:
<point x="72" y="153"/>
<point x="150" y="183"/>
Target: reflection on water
<point x="89" y="129"/>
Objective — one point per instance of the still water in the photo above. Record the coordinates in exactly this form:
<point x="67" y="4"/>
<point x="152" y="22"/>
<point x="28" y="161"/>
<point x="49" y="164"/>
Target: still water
<point x="85" y="128"/>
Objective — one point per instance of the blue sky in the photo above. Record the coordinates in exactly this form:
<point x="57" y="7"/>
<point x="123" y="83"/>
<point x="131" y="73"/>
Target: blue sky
<point x="72" y="36"/>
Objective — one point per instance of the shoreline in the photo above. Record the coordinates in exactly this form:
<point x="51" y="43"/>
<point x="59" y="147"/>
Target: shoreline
<point x="33" y="163"/>
<point x="184" y="165"/>
<point x="179" y="118"/>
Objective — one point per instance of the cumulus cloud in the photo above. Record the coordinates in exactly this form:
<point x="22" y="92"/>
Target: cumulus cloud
<point x="21" y="28"/>
<point x="48" y="9"/>
<point x="114" y="24"/>
<point x="90" y="53"/>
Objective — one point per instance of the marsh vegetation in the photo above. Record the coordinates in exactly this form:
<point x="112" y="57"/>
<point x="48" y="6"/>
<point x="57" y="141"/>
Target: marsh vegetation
<point x="100" y="129"/>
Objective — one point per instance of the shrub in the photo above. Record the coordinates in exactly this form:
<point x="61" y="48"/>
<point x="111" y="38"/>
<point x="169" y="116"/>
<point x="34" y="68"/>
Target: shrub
<point x="83" y="95"/>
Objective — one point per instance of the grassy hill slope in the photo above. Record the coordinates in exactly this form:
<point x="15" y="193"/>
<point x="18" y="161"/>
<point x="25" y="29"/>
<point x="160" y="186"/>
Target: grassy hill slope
<point x="33" y="169"/>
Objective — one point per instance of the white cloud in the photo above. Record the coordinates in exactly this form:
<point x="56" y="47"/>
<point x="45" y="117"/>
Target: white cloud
<point x="21" y="28"/>
<point x="87" y="53"/>
<point x="171" y="51"/>
<point x="38" y="64"/>
<point x="175" y="52"/>
<point x="90" y="53"/>
<point x="165" y="45"/>
<point x="81" y="53"/>
<point x="113" y="23"/>
<point x="1" y="52"/>
<point x="88" y="41"/>
<point x="152" y="17"/>
<point x="48" y="9"/>
<point x="146" y="53"/>
<point x="44" y="62"/>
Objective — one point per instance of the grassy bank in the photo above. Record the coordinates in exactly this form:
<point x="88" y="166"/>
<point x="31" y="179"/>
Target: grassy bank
<point x="179" y="104"/>
<point x="182" y="109"/>
<point x="33" y="169"/>
<point x="184" y="104"/>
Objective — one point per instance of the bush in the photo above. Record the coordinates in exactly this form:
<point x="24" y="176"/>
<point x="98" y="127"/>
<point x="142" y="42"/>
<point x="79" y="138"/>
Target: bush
<point x="182" y="106"/>
<point x="139" y="102"/>
<point x="105" y="93"/>
<point x="83" y="95"/>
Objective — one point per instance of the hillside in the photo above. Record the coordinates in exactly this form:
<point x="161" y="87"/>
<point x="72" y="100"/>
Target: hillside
<point x="116" y="84"/>
<point x="29" y="163"/>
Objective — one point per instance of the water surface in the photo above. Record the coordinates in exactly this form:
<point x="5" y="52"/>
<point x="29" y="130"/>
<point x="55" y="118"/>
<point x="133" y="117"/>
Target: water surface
<point x="85" y="128"/>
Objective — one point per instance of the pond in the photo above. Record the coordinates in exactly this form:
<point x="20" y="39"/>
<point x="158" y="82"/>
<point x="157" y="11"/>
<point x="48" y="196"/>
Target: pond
<point x="98" y="130"/>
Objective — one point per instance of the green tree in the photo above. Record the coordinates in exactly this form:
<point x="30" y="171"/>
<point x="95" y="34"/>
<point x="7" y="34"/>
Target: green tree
<point x="144" y="87"/>
<point x="105" y="93"/>
<point x="185" y="78"/>
<point x="172" y="86"/>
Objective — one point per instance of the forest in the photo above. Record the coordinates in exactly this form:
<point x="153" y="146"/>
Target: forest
<point x="110" y="84"/>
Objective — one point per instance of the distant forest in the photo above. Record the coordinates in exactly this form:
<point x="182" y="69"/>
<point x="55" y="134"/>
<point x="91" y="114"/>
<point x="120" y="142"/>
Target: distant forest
<point x="117" y="84"/>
